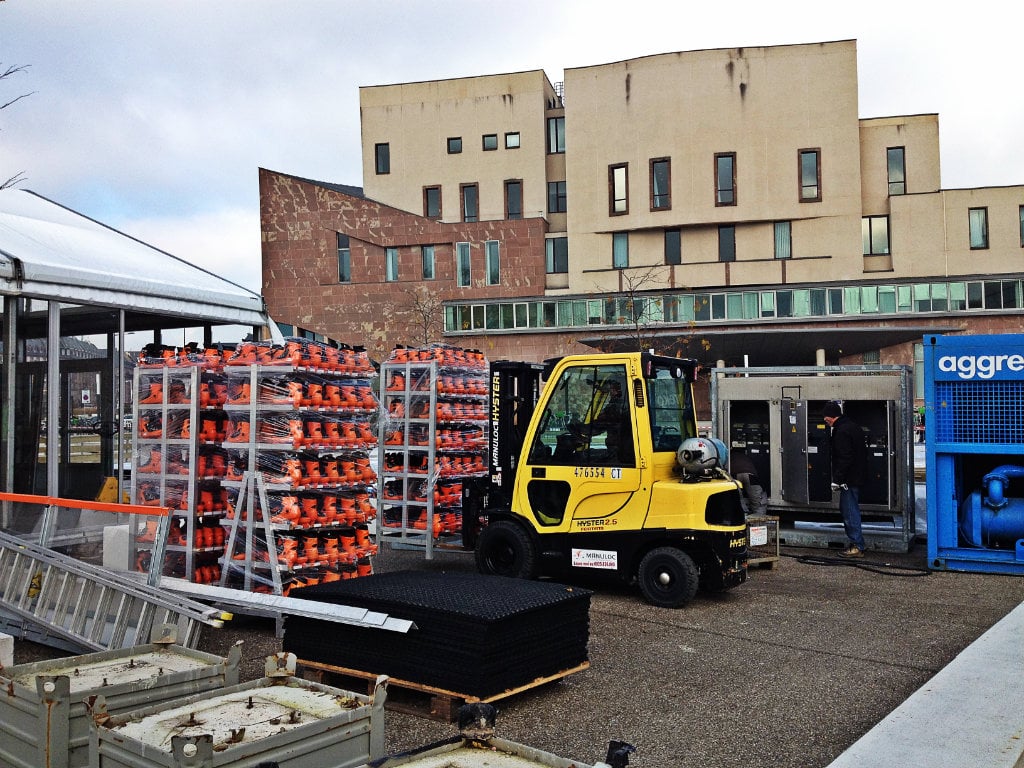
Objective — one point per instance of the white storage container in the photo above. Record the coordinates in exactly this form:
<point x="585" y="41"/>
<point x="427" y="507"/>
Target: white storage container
<point x="44" y="722"/>
<point x="279" y="720"/>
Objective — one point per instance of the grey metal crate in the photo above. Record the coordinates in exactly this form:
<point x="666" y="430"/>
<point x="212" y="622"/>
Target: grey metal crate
<point x="44" y="720"/>
<point x="279" y="719"/>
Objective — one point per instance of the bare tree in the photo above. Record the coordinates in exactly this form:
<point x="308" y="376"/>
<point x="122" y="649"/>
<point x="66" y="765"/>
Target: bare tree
<point x="425" y="309"/>
<point x="639" y="307"/>
<point x="5" y="73"/>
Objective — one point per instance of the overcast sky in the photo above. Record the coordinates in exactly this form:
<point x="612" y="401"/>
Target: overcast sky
<point x="153" y="117"/>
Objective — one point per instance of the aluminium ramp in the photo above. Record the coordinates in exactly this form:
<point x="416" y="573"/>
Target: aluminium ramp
<point x="57" y="600"/>
<point x="261" y="604"/>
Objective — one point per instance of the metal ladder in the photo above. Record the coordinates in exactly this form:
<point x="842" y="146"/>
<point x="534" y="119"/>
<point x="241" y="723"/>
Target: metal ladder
<point x="59" y="601"/>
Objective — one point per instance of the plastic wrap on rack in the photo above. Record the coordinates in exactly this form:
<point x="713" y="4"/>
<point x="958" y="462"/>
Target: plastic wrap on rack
<point x="161" y="355"/>
<point x="151" y="426"/>
<point x="444" y="521"/>
<point x="462" y="385"/>
<point x="281" y="428"/>
<point x="446" y="356"/>
<point x="448" y="495"/>
<point x="305" y="354"/>
<point x="154" y="460"/>
<point x="212" y="499"/>
<point x="302" y="469"/>
<point x="320" y="508"/>
<point x="175" y="494"/>
<point x="238" y="391"/>
<point x="212" y="462"/>
<point x="461" y="438"/>
<point x="279" y="390"/>
<point x="303" y="559"/>
<point x="213" y="427"/>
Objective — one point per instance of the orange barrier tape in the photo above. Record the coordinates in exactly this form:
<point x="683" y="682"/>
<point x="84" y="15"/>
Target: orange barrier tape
<point x="96" y="506"/>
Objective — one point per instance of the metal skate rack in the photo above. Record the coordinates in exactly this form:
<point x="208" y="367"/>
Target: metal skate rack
<point x="258" y="562"/>
<point x="418" y="472"/>
<point x="155" y="477"/>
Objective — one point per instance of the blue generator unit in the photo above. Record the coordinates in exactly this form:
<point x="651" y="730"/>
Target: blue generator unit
<point x="974" y="430"/>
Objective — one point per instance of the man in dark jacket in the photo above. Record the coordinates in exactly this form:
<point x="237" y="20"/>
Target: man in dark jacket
<point x="848" y="451"/>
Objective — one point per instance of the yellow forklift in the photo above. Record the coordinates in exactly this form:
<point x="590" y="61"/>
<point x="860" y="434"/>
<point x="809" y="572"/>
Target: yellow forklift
<point x="603" y="470"/>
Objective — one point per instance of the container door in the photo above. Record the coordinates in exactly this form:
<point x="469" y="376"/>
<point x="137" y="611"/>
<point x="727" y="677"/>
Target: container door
<point x="794" y="450"/>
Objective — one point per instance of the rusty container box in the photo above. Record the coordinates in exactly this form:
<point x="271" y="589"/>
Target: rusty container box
<point x="278" y="720"/>
<point x="44" y="720"/>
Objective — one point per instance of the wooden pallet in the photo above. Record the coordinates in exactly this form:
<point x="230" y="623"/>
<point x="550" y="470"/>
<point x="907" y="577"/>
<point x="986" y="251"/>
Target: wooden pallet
<point x="416" y="698"/>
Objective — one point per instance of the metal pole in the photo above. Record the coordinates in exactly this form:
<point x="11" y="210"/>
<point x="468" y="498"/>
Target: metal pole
<point x="53" y="394"/>
<point x="118" y="393"/>
<point x="10" y="339"/>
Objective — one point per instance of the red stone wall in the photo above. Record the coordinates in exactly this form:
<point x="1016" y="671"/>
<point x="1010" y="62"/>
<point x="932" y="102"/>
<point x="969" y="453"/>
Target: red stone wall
<point x="300" y="220"/>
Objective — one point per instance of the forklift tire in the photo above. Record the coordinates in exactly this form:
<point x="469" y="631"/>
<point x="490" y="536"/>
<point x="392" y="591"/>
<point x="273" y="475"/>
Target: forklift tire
<point x="504" y="549"/>
<point x="668" y="577"/>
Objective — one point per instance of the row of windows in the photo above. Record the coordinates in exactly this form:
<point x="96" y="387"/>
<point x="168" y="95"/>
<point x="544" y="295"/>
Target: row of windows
<point x="469" y="201"/>
<point x="790" y="303"/>
<point x="725" y="174"/>
<point x="488" y="143"/>
<point x="874" y="231"/>
<point x="726" y="191"/>
<point x="428" y="263"/>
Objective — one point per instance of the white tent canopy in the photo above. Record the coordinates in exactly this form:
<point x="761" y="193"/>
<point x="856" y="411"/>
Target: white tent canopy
<point x="52" y="253"/>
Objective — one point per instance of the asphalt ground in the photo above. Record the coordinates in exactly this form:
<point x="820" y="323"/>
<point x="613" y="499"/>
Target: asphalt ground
<point x="788" y="669"/>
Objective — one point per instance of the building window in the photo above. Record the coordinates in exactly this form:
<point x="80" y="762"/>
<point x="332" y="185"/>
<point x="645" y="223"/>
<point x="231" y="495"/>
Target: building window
<point x="661" y="184"/>
<point x="391" y="264"/>
<point x="462" y="272"/>
<point x="427" y="260"/>
<point x="514" y="199"/>
<point x="454" y="145"/>
<point x="673" y="246"/>
<point x="618" y="189"/>
<point x="783" y="239"/>
<point x="725" y="178"/>
<point x="512" y="140"/>
<point x="727" y="242"/>
<point x="810" y="175"/>
<point x="978" y="219"/>
<point x="493" y="262"/>
<point x="875" y="232"/>
<point x="490" y="142"/>
<point x="470" y="202"/>
<point x="432" y="202"/>
<point x="382" y="158"/>
<point x="620" y="250"/>
<point x="556" y="255"/>
<point x="556" y="135"/>
<point x="895" y="161"/>
<point x="344" y="260"/>
<point x="556" y="197"/>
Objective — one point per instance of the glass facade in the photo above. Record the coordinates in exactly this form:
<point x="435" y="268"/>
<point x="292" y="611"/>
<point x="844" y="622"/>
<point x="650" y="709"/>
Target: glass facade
<point x="784" y="304"/>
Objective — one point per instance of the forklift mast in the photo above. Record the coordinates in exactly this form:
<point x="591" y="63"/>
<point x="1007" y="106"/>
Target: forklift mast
<point x="514" y="388"/>
<point x="514" y="392"/>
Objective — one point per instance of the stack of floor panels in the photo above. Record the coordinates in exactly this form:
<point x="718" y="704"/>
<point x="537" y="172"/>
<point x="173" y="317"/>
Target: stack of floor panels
<point x="475" y="635"/>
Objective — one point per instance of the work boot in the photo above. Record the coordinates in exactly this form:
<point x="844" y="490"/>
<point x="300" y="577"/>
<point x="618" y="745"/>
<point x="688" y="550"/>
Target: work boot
<point x="240" y="394"/>
<point x="851" y="552"/>
<point x="156" y="394"/>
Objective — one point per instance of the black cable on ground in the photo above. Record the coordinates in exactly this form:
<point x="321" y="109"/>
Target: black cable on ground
<point x="885" y="569"/>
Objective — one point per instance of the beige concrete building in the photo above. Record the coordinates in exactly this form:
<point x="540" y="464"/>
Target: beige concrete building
<point x="731" y="205"/>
